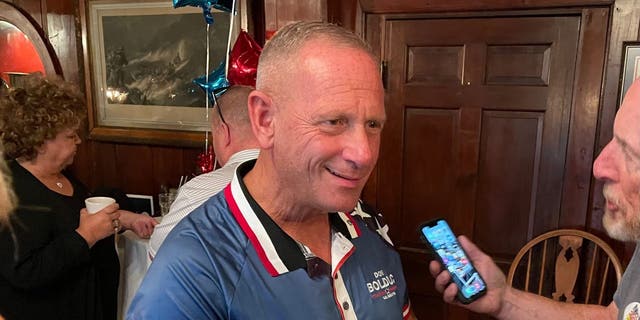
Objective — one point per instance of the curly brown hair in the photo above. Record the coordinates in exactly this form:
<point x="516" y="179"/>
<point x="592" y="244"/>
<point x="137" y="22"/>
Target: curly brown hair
<point x="36" y="112"/>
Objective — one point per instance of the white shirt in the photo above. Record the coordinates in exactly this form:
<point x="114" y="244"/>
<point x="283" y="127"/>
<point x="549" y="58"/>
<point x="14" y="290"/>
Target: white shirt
<point x="193" y="193"/>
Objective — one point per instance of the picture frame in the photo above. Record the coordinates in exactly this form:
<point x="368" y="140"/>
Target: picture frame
<point x="141" y="60"/>
<point x="16" y="79"/>
<point x="630" y="66"/>
<point x="142" y="203"/>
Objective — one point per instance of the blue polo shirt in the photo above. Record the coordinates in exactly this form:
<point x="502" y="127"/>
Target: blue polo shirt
<point x="229" y="260"/>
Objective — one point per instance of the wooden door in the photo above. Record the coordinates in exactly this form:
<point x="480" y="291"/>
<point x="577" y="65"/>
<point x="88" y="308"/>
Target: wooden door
<point x="478" y="124"/>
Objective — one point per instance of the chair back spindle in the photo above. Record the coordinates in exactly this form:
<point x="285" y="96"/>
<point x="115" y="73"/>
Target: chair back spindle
<point x="567" y="263"/>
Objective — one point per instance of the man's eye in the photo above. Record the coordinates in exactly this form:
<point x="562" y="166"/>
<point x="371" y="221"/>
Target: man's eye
<point x="374" y="124"/>
<point x="337" y="122"/>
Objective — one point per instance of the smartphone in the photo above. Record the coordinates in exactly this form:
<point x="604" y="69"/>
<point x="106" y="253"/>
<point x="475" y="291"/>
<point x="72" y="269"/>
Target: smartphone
<point x="438" y="235"/>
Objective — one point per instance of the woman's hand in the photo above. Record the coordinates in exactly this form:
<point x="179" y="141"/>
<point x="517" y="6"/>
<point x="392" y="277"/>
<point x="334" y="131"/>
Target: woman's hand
<point x="141" y="224"/>
<point x="99" y="225"/>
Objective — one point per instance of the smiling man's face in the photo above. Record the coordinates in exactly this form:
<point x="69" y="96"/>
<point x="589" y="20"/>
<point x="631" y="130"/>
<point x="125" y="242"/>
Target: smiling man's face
<point x="332" y="119"/>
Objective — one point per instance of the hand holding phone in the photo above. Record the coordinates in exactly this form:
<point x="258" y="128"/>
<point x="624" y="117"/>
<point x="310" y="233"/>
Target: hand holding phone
<point x="438" y="235"/>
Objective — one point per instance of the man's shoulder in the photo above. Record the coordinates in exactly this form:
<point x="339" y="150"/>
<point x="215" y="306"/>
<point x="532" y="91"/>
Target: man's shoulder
<point x="197" y="266"/>
<point x="213" y="209"/>
<point x="199" y="235"/>
<point x="193" y="263"/>
<point x="372" y="219"/>
<point x="209" y="219"/>
<point x="205" y="185"/>
<point x="217" y="176"/>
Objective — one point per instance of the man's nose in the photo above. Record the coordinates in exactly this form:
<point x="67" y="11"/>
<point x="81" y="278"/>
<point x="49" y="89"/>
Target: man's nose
<point x="604" y="165"/>
<point x="360" y="148"/>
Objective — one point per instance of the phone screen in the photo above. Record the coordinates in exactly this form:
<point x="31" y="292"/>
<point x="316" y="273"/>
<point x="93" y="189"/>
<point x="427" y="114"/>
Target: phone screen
<point x="445" y="244"/>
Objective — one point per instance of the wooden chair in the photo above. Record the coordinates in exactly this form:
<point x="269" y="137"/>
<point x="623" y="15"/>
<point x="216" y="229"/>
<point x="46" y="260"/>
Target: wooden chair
<point x="567" y="263"/>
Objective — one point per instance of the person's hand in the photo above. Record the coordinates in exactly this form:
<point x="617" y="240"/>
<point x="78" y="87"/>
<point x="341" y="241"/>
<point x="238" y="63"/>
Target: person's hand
<point x="99" y="225"/>
<point x="493" y="300"/>
<point x="141" y="224"/>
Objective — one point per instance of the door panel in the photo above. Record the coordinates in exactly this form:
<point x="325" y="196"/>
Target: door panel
<point x="477" y="133"/>
<point x="429" y="170"/>
<point x="522" y="133"/>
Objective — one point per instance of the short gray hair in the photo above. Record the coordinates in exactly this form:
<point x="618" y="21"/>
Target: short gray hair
<point x="233" y="106"/>
<point x="281" y="50"/>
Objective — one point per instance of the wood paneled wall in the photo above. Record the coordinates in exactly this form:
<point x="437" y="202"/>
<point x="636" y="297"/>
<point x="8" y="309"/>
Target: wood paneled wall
<point x="281" y="12"/>
<point x="134" y="168"/>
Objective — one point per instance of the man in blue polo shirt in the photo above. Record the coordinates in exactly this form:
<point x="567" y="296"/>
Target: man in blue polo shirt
<point x="283" y="240"/>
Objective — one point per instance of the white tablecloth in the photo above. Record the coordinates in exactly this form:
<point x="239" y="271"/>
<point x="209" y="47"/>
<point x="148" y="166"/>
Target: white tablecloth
<point x="134" y="261"/>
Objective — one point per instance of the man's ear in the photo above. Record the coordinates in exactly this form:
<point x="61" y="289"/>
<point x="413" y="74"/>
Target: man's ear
<point x="226" y="134"/>
<point x="261" y="113"/>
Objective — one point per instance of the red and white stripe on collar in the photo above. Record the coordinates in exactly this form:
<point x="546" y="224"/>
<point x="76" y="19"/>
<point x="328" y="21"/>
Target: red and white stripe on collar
<point x="248" y="221"/>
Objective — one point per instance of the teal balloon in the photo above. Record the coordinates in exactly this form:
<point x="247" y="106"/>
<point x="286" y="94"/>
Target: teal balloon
<point x="215" y="84"/>
<point x="223" y="5"/>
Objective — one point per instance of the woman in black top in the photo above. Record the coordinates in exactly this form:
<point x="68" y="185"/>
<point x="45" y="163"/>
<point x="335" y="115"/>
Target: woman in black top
<point x="56" y="260"/>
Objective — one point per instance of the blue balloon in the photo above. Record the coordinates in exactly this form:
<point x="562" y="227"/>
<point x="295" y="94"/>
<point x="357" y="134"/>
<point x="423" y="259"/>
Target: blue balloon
<point x="216" y="84"/>
<point x="223" y="5"/>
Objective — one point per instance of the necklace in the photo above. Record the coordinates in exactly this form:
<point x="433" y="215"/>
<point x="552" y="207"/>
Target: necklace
<point x="59" y="184"/>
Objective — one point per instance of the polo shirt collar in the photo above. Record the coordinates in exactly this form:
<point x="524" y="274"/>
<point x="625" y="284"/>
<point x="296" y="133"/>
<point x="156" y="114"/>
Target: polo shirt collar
<point x="278" y="252"/>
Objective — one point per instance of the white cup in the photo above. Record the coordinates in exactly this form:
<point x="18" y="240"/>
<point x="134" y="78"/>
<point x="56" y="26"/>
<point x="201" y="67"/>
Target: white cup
<point x="95" y="204"/>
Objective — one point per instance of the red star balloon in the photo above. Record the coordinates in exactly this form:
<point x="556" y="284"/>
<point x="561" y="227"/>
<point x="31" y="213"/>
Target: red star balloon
<point x="243" y="61"/>
<point x="205" y="161"/>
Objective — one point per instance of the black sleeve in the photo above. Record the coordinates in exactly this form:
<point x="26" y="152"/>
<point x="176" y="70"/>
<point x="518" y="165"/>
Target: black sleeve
<point x="33" y="254"/>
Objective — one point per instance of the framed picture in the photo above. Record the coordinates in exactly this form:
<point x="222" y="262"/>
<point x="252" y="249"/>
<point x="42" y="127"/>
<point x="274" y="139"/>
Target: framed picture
<point x="630" y="66"/>
<point x="142" y="203"/>
<point x="16" y="79"/>
<point x="143" y="58"/>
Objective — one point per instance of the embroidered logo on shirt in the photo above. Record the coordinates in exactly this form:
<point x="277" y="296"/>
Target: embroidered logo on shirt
<point x="632" y="311"/>
<point x="382" y="286"/>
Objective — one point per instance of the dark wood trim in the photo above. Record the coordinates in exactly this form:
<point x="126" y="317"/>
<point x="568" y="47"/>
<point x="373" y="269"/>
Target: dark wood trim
<point x="80" y="44"/>
<point x="480" y="14"/>
<point x="341" y="12"/>
<point x="30" y="27"/>
<point x="148" y="137"/>
<point x="257" y="28"/>
<point x="375" y="34"/>
<point x="586" y="97"/>
<point x="403" y="6"/>
<point x="86" y="67"/>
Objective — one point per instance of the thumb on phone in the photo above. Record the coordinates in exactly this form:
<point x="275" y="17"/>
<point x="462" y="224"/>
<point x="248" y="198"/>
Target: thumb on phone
<point x="472" y="250"/>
